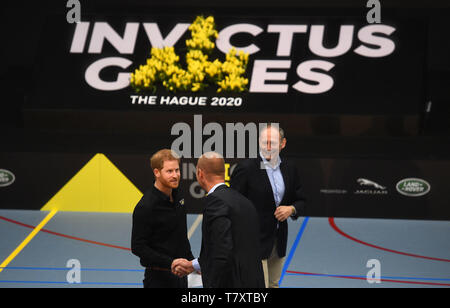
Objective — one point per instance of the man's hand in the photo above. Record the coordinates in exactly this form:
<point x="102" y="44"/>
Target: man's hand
<point x="182" y="267"/>
<point x="283" y="212"/>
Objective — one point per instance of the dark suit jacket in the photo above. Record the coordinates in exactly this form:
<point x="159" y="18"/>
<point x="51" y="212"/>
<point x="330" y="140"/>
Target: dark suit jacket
<point x="229" y="255"/>
<point x="252" y="181"/>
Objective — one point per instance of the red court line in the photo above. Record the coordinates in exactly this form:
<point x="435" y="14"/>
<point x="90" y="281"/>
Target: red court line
<point x="333" y="225"/>
<point x="64" y="235"/>
<point x="382" y="279"/>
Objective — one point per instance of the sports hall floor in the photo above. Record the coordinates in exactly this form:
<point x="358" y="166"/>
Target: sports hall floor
<point x="322" y="252"/>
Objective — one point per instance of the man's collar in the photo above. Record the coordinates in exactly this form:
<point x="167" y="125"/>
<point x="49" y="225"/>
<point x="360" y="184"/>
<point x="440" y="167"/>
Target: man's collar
<point x="162" y="195"/>
<point x="214" y="188"/>
<point x="268" y="163"/>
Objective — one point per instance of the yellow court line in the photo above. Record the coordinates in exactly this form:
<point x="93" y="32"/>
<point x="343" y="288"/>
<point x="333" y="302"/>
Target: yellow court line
<point x="27" y="239"/>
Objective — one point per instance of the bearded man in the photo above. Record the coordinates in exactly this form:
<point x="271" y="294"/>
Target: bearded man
<point x="159" y="232"/>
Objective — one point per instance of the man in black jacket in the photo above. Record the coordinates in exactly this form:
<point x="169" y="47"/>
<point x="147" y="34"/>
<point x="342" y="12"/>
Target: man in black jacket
<point x="274" y="188"/>
<point x="159" y="233"/>
<point x="229" y="255"/>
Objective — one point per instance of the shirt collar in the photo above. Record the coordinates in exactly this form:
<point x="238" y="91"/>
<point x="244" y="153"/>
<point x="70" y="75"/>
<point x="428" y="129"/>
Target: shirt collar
<point x="268" y="164"/>
<point x="214" y="187"/>
<point x="163" y="196"/>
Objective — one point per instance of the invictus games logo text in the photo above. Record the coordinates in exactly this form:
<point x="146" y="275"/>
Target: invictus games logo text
<point x="271" y="73"/>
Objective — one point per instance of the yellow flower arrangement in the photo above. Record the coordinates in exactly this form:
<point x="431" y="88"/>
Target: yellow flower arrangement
<point x="163" y="67"/>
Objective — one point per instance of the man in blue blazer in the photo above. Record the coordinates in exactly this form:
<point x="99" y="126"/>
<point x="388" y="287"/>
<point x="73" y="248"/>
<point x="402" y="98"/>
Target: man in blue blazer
<point x="273" y="186"/>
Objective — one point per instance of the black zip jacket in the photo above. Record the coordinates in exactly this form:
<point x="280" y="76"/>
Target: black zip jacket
<point x="159" y="233"/>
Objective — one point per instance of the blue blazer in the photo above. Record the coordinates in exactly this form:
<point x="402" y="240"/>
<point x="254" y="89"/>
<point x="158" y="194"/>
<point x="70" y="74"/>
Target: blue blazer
<point x="252" y="181"/>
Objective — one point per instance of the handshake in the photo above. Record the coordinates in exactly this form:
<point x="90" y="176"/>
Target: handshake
<point x="182" y="267"/>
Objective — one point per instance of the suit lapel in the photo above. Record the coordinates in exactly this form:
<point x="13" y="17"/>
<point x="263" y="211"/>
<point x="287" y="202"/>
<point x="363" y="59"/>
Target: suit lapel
<point x="205" y="234"/>
<point x="285" y="173"/>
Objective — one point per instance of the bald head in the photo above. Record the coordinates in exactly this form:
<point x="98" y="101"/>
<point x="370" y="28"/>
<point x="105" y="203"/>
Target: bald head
<point x="212" y="164"/>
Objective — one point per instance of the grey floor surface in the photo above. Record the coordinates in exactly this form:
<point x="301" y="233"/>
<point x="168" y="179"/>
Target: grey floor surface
<point x="408" y="253"/>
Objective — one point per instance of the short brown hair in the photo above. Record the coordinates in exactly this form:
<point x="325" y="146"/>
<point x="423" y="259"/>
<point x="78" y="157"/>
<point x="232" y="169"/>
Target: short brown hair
<point x="158" y="159"/>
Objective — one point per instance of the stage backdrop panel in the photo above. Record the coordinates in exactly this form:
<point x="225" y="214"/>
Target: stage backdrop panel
<point x="371" y="188"/>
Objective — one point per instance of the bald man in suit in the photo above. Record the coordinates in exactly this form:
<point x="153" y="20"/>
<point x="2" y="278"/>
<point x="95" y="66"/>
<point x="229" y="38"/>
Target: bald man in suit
<point x="229" y="256"/>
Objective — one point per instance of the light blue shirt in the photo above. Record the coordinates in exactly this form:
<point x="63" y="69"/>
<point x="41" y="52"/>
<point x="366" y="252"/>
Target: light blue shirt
<point x="275" y="178"/>
<point x="195" y="263"/>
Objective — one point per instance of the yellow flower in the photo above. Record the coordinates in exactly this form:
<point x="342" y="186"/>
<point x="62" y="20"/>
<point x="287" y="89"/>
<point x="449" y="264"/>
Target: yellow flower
<point x="163" y="66"/>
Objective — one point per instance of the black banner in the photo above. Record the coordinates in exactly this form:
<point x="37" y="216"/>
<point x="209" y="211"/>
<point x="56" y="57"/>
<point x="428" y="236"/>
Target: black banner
<point x="297" y="64"/>
<point x="367" y="188"/>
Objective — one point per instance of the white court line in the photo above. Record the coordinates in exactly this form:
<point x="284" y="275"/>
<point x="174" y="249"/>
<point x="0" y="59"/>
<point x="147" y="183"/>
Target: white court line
<point x="195" y="225"/>
<point x="194" y="279"/>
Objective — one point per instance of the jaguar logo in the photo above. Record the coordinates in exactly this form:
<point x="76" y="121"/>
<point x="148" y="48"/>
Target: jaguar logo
<point x="365" y="182"/>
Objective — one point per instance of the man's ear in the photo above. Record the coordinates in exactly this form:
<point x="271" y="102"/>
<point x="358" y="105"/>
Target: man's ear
<point x="283" y="144"/>
<point x="200" y="174"/>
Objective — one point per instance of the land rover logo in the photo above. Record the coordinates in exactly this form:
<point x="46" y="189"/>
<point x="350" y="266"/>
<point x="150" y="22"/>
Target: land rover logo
<point x="413" y="187"/>
<point x="6" y="178"/>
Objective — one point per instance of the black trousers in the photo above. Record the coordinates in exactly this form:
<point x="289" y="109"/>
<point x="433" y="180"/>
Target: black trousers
<point x="163" y="279"/>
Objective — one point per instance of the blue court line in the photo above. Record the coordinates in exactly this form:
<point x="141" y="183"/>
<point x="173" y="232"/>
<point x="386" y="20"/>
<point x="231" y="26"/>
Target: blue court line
<point x="357" y="276"/>
<point x="74" y="284"/>
<point x="293" y="248"/>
